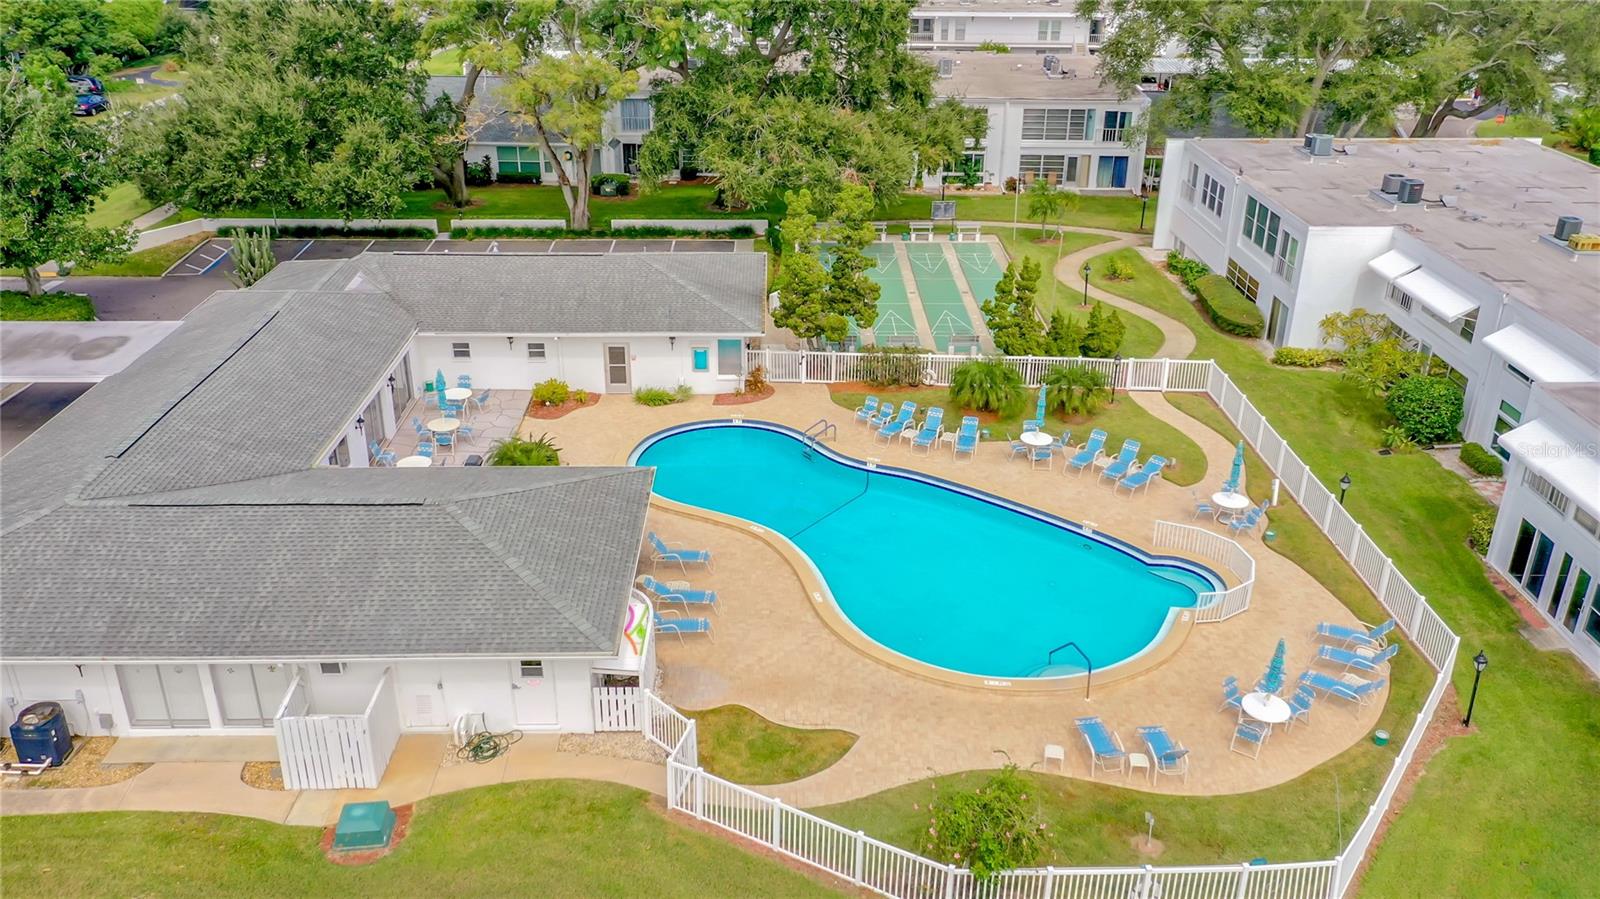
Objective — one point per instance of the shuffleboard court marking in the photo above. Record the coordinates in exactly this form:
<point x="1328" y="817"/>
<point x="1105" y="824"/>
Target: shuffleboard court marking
<point x="940" y="293"/>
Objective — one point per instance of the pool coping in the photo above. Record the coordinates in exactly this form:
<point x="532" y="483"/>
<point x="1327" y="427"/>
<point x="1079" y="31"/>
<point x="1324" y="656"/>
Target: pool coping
<point x="1174" y="630"/>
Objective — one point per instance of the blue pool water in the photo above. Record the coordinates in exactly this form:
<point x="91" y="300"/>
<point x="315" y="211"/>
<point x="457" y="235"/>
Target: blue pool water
<point x="939" y="574"/>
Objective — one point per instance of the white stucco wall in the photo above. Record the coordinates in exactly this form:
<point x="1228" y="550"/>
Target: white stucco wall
<point x="83" y="696"/>
<point x="654" y="361"/>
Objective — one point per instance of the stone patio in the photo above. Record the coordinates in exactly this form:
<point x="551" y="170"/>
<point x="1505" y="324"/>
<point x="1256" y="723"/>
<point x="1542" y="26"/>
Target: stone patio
<point x="775" y="655"/>
<point x="500" y="418"/>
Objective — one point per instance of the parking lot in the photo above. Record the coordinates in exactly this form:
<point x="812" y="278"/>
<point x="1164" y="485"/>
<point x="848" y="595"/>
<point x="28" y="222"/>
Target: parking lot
<point x="214" y="258"/>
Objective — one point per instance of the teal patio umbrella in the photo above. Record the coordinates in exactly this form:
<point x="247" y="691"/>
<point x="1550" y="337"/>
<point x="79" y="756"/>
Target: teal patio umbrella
<point x="1272" y="681"/>
<point x="1040" y="411"/>
<point x="1238" y="465"/>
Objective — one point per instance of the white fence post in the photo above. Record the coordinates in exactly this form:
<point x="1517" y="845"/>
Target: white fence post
<point x="949" y="881"/>
<point x="777" y="823"/>
<point x="700" y="793"/>
<point x="1383" y="579"/>
<point x="861" y="856"/>
<point x="1244" y="880"/>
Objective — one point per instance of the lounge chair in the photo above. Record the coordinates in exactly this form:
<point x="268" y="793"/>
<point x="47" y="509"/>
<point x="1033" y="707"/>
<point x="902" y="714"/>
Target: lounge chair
<point x="967" y="438"/>
<point x="1167" y="755"/>
<point x="1348" y="687"/>
<point x="1123" y="462"/>
<point x="1093" y="449"/>
<point x="1105" y="747"/>
<point x="932" y="427"/>
<point x="1202" y="506"/>
<point x="1366" y="636"/>
<point x="380" y="456"/>
<point x="881" y="417"/>
<point x="666" y="553"/>
<point x="1359" y="659"/>
<point x="1231" y="697"/>
<point x="892" y="429"/>
<point x="866" y="410"/>
<point x="669" y="621"/>
<point x="679" y="593"/>
<point x="425" y="449"/>
<point x="1300" y="704"/>
<point x="1248" y="738"/>
<point x="1031" y="425"/>
<point x="446" y="443"/>
<point x="1142" y="478"/>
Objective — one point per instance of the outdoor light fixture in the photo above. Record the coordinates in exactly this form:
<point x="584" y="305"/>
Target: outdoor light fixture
<point x="672" y="343"/>
<point x="1086" y="283"/>
<point x="391" y="385"/>
<point x="361" y="424"/>
<point x="1144" y="202"/>
<point x="1344" y="484"/>
<point x="510" y="342"/>
<point x="1479" y="662"/>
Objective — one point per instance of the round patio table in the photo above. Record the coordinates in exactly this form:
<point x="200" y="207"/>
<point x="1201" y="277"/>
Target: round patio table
<point x="1231" y="502"/>
<point x="1036" y="438"/>
<point x="444" y="425"/>
<point x="413" y="462"/>
<point x="457" y="394"/>
<point x="1265" y="707"/>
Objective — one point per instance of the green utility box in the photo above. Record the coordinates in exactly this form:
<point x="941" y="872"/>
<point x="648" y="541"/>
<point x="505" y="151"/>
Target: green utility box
<point x="363" y="825"/>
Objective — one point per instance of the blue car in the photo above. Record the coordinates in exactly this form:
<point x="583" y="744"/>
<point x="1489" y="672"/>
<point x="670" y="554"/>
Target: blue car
<point x="86" y="84"/>
<point x="91" y="104"/>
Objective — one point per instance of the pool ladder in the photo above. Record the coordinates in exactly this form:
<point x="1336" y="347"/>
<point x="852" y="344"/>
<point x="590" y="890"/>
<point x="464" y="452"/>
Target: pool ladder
<point x="819" y="429"/>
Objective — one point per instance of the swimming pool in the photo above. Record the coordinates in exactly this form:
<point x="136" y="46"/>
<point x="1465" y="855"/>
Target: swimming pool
<point x="935" y="571"/>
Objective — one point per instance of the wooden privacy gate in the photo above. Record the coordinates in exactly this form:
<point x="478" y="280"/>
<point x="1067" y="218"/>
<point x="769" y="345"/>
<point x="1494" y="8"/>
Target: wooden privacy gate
<point x="336" y="752"/>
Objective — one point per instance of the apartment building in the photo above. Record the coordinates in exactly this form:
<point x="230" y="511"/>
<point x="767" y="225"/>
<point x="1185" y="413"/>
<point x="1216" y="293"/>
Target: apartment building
<point x="1037" y="26"/>
<point x="1050" y="118"/>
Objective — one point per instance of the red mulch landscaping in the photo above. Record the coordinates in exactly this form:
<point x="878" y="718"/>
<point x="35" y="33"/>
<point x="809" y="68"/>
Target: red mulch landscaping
<point x="538" y="410"/>
<point x="743" y="398"/>
<point x="402" y="824"/>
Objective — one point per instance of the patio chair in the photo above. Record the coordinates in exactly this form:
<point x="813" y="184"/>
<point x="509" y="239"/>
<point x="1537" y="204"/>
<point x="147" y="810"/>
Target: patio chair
<point x="425" y="449"/>
<point x="1018" y="448"/>
<point x="465" y="432"/>
<point x="446" y="443"/>
<point x="463" y="380"/>
<point x="1248" y="738"/>
<point x="892" y="429"/>
<point x="1142" y="478"/>
<point x="883" y="416"/>
<point x="1349" y="687"/>
<point x="1043" y="454"/>
<point x="1105" y="747"/>
<point x="1167" y="755"/>
<point x="866" y="410"/>
<point x="932" y="427"/>
<point x="1093" y="449"/>
<point x="479" y="401"/>
<point x="967" y="438"/>
<point x="1366" y="636"/>
<point x="1202" y="506"/>
<point x="1231" y="697"/>
<point x="380" y="456"/>
<point x="416" y="424"/>
<point x="666" y="553"/>
<point x="1231" y="485"/>
<point x="1031" y="425"/>
<point x="1123" y="462"/>
<point x="1300" y="705"/>
<point x="1358" y="659"/>
<point x="449" y="409"/>
<point x="1246" y="524"/>
<point x="680" y="593"/>
<point x="669" y="621"/>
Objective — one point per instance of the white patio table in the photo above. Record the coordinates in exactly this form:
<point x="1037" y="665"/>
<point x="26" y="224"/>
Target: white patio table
<point x="457" y="394"/>
<point x="1265" y="707"/>
<point x="1230" y="502"/>
<point x="1036" y="438"/>
<point x="444" y="425"/>
<point x="413" y="462"/>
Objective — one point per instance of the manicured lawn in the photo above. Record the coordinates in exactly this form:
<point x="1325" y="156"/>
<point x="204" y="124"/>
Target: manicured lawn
<point x="1494" y="814"/>
<point x="554" y="838"/>
<point x="1118" y="213"/>
<point x="740" y="745"/>
<point x="1122" y="419"/>
<point x="149" y="263"/>
<point x="121" y="205"/>
<point x="1532" y="126"/>
<point x="17" y="306"/>
<point x="1141" y="340"/>
<point x="445" y="62"/>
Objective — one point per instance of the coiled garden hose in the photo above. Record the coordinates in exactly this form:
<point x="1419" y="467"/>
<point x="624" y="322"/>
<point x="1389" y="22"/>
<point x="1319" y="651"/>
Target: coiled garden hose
<point x="486" y="747"/>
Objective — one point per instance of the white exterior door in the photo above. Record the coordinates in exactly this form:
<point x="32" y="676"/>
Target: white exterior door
<point x="249" y="694"/>
<point x="618" y="377"/>
<point x="164" y="695"/>
<point x="533" y="694"/>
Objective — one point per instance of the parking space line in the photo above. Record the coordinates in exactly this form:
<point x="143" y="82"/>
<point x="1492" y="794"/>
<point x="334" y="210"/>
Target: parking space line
<point x="301" y="250"/>
<point x="217" y="261"/>
<point x="612" y="248"/>
<point x="674" y="247"/>
<point x="494" y="246"/>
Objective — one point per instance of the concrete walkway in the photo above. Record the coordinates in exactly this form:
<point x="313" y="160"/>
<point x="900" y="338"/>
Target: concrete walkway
<point x="415" y="772"/>
<point x="1177" y="341"/>
<point x="153" y="216"/>
<point x="155" y="750"/>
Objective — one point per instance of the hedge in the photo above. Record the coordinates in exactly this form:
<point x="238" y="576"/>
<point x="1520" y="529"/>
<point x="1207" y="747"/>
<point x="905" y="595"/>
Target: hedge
<point x="1299" y="357"/>
<point x="1480" y="460"/>
<point x="619" y="233"/>
<point x="1229" y="309"/>
<point x="1429" y="409"/>
<point x="517" y="177"/>
<point x="326" y="231"/>
<point x="17" y="306"/>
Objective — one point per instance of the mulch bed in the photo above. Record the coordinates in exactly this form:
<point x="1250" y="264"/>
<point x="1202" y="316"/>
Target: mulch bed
<point x="402" y="824"/>
<point x="262" y="775"/>
<point x="743" y="398"/>
<point x="84" y="767"/>
<point x="539" y="410"/>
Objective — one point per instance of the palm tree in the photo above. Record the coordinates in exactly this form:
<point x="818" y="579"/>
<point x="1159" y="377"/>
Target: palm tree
<point x="1075" y="389"/>
<point x="1045" y="203"/>
<point x="988" y="385"/>
<point x="518" y="451"/>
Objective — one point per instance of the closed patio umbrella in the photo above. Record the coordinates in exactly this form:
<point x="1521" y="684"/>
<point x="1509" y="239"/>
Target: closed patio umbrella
<point x="1272" y="681"/>
<point x="1040" y="410"/>
<point x="1238" y="464"/>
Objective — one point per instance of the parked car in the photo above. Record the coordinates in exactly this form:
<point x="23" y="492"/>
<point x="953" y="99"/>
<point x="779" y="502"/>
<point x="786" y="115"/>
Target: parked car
<point x="91" y="104"/>
<point x="87" y="84"/>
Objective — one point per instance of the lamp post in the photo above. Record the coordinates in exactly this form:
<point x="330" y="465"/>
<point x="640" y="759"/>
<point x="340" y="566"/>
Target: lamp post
<point x="1116" y="366"/>
<point x="1344" y="484"/>
<point x="1144" y="202"/>
<point x="1479" y="662"/>
<point x="1086" y="284"/>
<point x="1016" y="203"/>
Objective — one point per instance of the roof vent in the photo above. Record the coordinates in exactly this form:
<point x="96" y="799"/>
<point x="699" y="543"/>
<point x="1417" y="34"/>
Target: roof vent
<point x="1566" y="226"/>
<point x="1391" y="183"/>
<point x="947" y="68"/>
<point x="1319" y="144"/>
<point x="1410" y="191"/>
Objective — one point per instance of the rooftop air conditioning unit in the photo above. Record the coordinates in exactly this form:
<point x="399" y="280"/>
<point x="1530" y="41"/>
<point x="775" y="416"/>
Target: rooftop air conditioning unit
<point x="1391" y="183"/>
<point x="1566" y="226"/>
<point x="947" y="68"/>
<point x="1052" y="65"/>
<point x="1319" y="144"/>
<point x="1410" y="191"/>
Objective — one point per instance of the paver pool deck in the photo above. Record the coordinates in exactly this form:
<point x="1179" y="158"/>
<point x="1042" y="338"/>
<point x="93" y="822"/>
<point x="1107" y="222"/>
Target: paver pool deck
<point x="774" y="654"/>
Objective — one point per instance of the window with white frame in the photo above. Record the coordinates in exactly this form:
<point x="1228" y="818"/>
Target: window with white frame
<point x="1043" y="166"/>
<point x="1518" y="373"/>
<point x="330" y="668"/>
<point x="636" y="115"/>
<point x="530" y="668"/>
<point x="1044" y="124"/>
<point x="517" y="160"/>
<point x="1049" y="29"/>
<point x="1192" y="181"/>
<point x="461" y="350"/>
<point x="1469" y="325"/>
<point x="1261" y="225"/>
<point x="1115" y="126"/>
<point x="1544" y="488"/>
<point x="1506" y="418"/>
<point x="952" y="29"/>
<point x="1213" y="196"/>
<point x="536" y="351"/>
<point x="922" y="29"/>
<point x="1243" y="280"/>
<point x="1288" y="256"/>
<point x="730" y="358"/>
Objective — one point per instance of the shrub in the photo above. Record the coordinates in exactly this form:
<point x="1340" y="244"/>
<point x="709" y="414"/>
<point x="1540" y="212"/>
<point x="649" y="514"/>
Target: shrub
<point x="617" y="179"/>
<point x="17" y="306"/>
<point x="1481" y="531"/>
<point x="1480" y="460"/>
<point x="1118" y="270"/>
<point x="756" y="380"/>
<point x="252" y="258"/>
<point x="683" y="394"/>
<point x="1075" y="389"/>
<point x="1429" y="409"/>
<point x="517" y="177"/>
<point x="484" y="233"/>
<point x="1187" y="270"/>
<point x="991" y="829"/>
<point x="1300" y="357"/>
<point x="517" y="451"/>
<point x="580" y="397"/>
<point x="892" y="366"/>
<point x="553" y="392"/>
<point x="993" y="47"/>
<point x="988" y="385"/>
<point x="1230" y="310"/>
<point x="1395" y="438"/>
<point x="655" y="396"/>
<point x="479" y="174"/>
<point x="395" y="232"/>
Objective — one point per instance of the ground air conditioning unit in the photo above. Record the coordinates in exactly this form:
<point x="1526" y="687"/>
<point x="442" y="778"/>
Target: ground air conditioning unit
<point x="1410" y="191"/>
<point x="1391" y="183"/>
<point x="1319" y="144"/>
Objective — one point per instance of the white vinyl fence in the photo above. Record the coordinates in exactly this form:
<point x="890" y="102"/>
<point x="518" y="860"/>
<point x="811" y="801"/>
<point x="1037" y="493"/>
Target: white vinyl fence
<point x="1215" y="606"/>
<point x="892" y="871"/>
<point x="336" y="752"/>
<point x="616" y="708"/>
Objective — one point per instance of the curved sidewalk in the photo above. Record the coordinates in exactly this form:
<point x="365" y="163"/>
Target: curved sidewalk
<point x="1177" y="340"/>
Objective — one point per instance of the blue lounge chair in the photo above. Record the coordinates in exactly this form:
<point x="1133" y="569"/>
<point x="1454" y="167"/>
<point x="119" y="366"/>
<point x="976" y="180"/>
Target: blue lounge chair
<point x="1092" y="450"/>
<point x="866" y="410"/>
<point x="425" y="449"/>
<point x="1348" y="687"/>
<point x="1251" y="737"/>
<point x="881" y="417"/>
<point x="380" y="456"/>
<point x="665" y="553"/>
<point x="1300" y="704"/>
<point x="1360" y="660"/>
<point x="416" y="424"/>
<point x="1365" y="636"/>
<point x="1105" y="747"/>
<point x="932" y="427"/>
<point x="892" y="429"/>
<point x="1231" y="697"/>
<point x="1031" y="424"/>
<point x="1167" y="755"/>
<point x="446" y="443"/>
<point x="1142" y="477"/>
<point x="967" y="438"/>
<point x="682" y="594"/>
<point x="1123" y="462"/>
<point x="669" y="621"/>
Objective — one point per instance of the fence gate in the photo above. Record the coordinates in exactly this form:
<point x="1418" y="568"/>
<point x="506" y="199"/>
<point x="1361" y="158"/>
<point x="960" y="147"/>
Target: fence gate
<point x="616" y="708"/>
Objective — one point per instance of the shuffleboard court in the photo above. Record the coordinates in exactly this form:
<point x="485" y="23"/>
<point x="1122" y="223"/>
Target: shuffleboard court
<point x="894" y="326"/>
<point x="981" y="269"/>
<point x="941" y="295"/>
